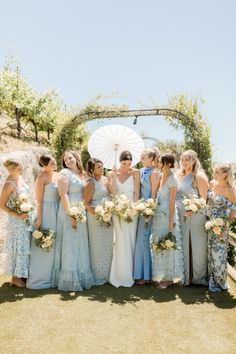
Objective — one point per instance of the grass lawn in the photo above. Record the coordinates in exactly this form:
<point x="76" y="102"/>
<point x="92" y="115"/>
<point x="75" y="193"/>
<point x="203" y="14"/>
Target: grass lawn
<point x="109" y="320"/>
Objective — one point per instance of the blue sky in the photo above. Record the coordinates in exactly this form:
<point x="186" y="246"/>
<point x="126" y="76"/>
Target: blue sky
<point x="144" y="50"/>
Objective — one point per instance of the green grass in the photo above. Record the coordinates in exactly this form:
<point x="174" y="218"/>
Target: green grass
<point x="109" y="320"/>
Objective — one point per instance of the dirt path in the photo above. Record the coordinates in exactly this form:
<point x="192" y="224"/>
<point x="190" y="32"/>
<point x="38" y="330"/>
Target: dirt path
<point x="109" y="320"/>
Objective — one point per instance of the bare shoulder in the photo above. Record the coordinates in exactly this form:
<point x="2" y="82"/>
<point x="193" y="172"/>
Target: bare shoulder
<point x="135" y="172"/>
<point x="212" y="183"/>
<point x="201" y="177"/>
<point x="232" y="195"/>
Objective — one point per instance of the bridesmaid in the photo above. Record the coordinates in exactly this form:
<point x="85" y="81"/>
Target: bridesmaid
<point x="41" y="262"/>
<point x="72" y="264"/>
<point x="192" y="180"/>
<point x="100" y="236"/>
<point x="149" y="182"/>
<point x="125" y="180"/>
<point x="221" y="204"/>
<point x="17" y="243"/>
<point x="167" y="266"/>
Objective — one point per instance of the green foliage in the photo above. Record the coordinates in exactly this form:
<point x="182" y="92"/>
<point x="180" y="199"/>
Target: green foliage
<point x="231" y="258"/>
<point x="196" y="130"/>
<point x="23" y="104"/>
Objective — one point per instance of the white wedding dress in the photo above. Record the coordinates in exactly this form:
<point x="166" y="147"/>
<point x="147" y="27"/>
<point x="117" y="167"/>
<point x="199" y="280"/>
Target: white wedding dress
<point x="125" y="236"/>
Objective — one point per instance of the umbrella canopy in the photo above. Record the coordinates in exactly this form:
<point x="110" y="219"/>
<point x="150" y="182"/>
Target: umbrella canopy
<point x="107" y="143"/>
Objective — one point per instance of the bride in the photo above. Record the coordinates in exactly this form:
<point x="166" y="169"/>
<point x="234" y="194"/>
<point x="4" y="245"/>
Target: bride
<point x="124" y="180"/>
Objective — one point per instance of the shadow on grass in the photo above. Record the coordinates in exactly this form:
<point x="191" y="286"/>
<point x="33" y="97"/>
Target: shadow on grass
<point x="107" y="293"/>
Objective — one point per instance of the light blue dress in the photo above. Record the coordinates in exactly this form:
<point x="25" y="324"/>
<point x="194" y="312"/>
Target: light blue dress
<point x="100" y="239"/>
<point x="17" y="243"/>
<point x="168" y="264"/>
<point x="218" y="207"/>
<point x="193" y="229"/>
<point x="142" y="256"/>
<point x="72" y="270"/>
<point x="41" y="262"/>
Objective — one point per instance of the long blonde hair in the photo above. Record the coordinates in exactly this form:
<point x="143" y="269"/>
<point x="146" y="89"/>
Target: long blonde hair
<point x="226" y="167"/>
<point x="192" y="155"/>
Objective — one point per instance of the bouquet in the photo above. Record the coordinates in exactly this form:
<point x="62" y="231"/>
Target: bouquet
<point x="167" y="242"/>
<point x="216" y="226"/>
<point x="21" y="204"/>
<point x="104" y="212"/>
<point x="146" y="208"/>
<point x="124" y="208"/>
<point x="77" y="212"/>
<point x="193" y="203"/>
<point x="44" y="238"/>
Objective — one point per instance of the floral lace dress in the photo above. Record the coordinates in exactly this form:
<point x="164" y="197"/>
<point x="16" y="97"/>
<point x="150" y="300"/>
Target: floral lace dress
<point x="17" y="243"/>
<point x="218" y="207"/>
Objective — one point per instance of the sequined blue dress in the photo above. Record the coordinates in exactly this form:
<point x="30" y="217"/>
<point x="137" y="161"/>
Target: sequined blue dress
<point x="100" y="238"/>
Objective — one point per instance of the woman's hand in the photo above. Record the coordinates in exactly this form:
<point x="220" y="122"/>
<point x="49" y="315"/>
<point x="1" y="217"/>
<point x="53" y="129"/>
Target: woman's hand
<point x="37" y="224"/>
<point x="188" y="214"/>
<point x="73" y="222"/>
<point x="22" y="216"/>
<point x="171" y="227"/>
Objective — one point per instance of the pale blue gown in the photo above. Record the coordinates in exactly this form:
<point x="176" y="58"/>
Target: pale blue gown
<point x="100" y="238"/>
<point x="17" y="243"/>
<point x="142" y="255"/>
<point x="41" y="262"/>
<point x="218" y="207"/>
<point x="72" y="270"/>
<point x="193" y="228"/>
<point x="168" y="264"/>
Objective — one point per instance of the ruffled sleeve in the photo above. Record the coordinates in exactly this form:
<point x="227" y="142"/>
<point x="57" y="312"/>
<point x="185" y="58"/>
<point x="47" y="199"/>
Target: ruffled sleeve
<point x="65" y="172"/>
<point x="172" y="182"/>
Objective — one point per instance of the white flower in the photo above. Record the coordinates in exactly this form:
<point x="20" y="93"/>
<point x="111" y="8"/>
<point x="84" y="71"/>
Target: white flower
<point x="37" y="234"/>
<point x="73" y="211"/>
<point x="107" y="217"/>
<point x="219" y="222"/>
<point x="140" y="206"/>
<point x="23" y="197"/>
<point x="208" y="225"/>
<point x="25" y="207"/>
<point x="169" y="244"/>
<point x="109" y="204"/>
<point x="148" y="211"/>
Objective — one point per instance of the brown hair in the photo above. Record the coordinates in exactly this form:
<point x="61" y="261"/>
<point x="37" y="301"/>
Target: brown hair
<point x="125" y="155"/>
<point x="90" y="166"/>
<point x="168" y="159"/>
<point x="44" y="160"/>
<point x="154" y="153"/>
<point x="77" y="158"/>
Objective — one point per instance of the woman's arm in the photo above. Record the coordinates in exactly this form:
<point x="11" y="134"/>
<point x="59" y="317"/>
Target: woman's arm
<point x="232" y="199"/>
<point x="136" y="176"/>
<point x="172" y="197"/>
<point x="39" y="190"/>
<point x="202" y="184"/>
<point x="88" y="193"/>
<point x="6" y="192"/>
<point x="63" y="184"/>
<point x="154" y="181"/>
<point x="111" y="181"/>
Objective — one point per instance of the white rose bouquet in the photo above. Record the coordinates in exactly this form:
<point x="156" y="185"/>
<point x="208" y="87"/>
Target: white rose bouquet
<point x="193" y="203"/>
<point x="21" y="204"/>
<point x="104" y="212"/>
<point x="44" y="238"/>
<point x="167" y="242"/>
<point x="124" y="208"/>
<point x="216" y="226"/>
<point x="146" y="208"/>
<point x="77" y="212"/>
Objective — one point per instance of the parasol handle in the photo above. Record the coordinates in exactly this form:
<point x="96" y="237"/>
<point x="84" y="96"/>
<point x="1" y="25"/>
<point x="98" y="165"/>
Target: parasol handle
<point x="116" y="146"/>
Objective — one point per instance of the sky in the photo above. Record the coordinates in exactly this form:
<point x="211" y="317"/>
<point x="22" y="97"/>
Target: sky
<point x="145" y="50"/>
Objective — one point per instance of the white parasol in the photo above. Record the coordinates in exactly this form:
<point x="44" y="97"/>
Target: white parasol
<point x="108" y="142"/>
